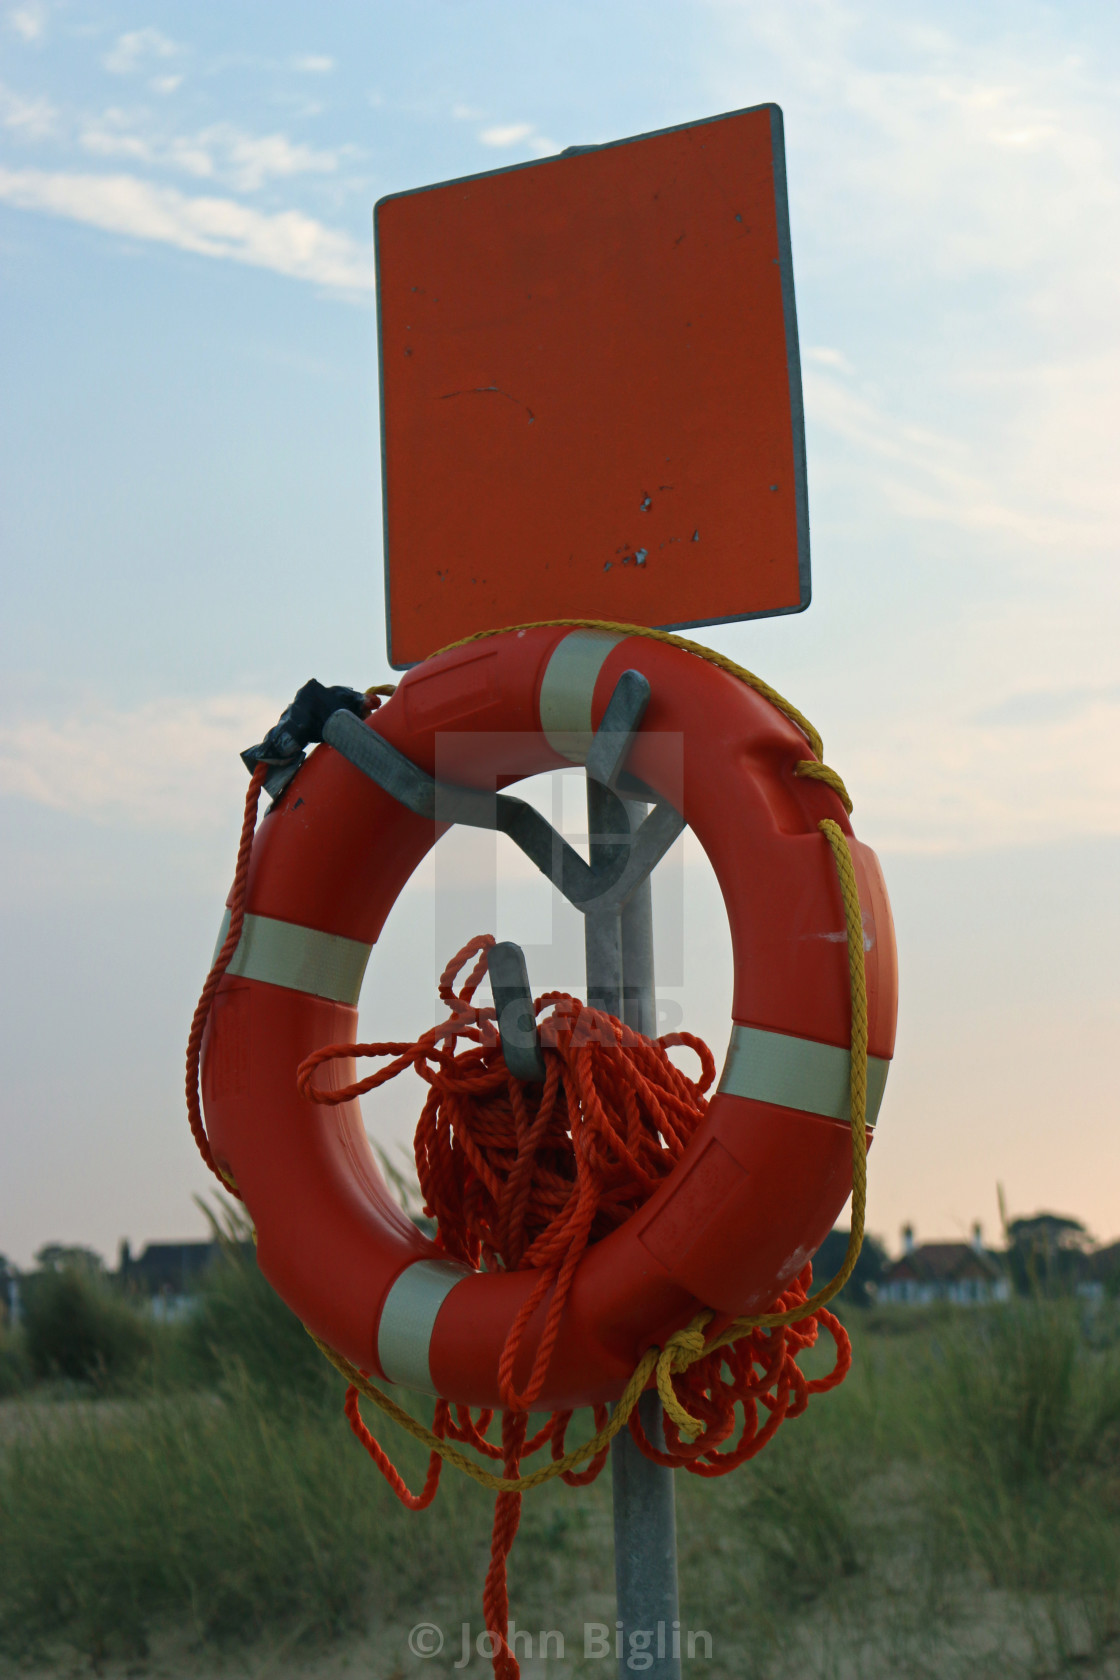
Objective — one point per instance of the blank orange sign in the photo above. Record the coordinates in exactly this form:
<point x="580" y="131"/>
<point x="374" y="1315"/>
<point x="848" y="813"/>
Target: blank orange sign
<point x="591" y="391"/>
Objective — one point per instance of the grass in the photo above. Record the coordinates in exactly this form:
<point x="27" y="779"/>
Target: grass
<point x="240" y="1519"/>
<point x="952" y="1510"/>
<point x="1029" y="1417"/>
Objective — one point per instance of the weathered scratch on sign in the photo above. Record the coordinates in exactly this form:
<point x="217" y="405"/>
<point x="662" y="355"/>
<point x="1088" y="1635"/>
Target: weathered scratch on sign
<point x="490" y="390"/>
<point x="630" y="306"/>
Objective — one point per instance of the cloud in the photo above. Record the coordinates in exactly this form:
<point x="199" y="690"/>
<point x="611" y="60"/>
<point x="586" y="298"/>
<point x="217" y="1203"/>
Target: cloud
<point x="175" y="763"/>
<point x="287" y="242"/>
<point x="956" y="210"/>
<point x="938" y="155"/>
<point x="828" y="358"/>
<point x="167" y="764"/>
<point x="505" y="134"/>
<point x="942" y="783"/>
<point x="29" y="22"/>
<point x="948" y="746"/>
<point x="930" y="475"/>
<point x="110" y="137"/>
<point x="220" y="152"/>
<point x="948" y="780"/>
<point x="249" y="160"/>
<point x="510" y="134"/>
<point x="1044" y="706"/>
<point x="139" y="49"/>
<point x="313" y="64"/>
<point x="29" y="119"/>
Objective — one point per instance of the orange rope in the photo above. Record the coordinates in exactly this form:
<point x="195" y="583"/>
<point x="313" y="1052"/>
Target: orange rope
<point x="224" y="957"/>
<point x="221" y="963"/>
<point x="520" y="1178"/>
<point x="524" y="1176"/>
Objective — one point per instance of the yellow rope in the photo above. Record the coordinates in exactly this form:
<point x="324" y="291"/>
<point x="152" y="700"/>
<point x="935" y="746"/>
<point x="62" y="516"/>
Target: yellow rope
<point x="679" y="1352"/>
<point x="500" y="1484"/>
<point x="812" y="768"/>
<point x="687" y="1345"/>
<point x="812" y="771"/>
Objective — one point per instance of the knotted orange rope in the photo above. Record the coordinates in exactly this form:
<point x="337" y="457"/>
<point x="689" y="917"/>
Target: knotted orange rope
<point x="527" y="1176"/>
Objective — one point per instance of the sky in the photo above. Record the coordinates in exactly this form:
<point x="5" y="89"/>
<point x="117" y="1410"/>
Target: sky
<point x="190" y="527"/>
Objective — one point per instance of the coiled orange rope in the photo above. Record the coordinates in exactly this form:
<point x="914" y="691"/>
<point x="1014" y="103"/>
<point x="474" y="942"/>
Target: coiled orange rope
<point x="519" y="1176"/>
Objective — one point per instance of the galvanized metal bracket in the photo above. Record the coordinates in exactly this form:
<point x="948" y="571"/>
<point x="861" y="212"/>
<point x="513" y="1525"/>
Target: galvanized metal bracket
<point x="622" y="856"/>
<point x="615" y="735"/>
<point x="622" y="859"/>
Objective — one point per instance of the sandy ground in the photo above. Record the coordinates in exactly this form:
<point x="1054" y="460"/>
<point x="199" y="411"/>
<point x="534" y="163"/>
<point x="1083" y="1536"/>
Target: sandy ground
<point x="981" y="1638"/>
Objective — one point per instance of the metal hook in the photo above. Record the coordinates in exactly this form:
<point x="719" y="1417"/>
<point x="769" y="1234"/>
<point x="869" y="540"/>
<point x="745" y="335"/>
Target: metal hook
<point x="513" y="1005"/>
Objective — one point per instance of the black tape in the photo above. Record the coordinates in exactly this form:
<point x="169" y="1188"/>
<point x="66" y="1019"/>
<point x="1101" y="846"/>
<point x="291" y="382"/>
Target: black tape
<point x="299" y="726"/>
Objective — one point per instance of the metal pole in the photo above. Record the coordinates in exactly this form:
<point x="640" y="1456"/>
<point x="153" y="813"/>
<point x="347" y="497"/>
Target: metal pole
<point x="645" y="1549"/>
<point x="602" y="928"/>
<point x="639" y="1005"/>
<point x="619" y="951"/>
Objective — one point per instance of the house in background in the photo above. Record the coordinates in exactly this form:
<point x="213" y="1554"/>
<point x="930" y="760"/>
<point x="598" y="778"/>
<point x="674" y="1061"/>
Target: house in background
<point x="965" y="1273"/>
<point x="167" y="1274"/>
<point x="10" y="1307"/>
<point x="1100" y="1273"/>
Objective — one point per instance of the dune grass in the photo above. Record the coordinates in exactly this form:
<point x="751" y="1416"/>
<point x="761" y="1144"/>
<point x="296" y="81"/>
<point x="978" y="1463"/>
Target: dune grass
<point x="238" y="1518"/>
<point x="1027" y="1412"/>
<point x="953" y="1510"/>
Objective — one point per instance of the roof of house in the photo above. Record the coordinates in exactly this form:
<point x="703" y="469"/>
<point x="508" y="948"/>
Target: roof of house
<point x="1103" y="1263"/>
<point x="169" y="1265"/>
<point x="943" y="1262"/>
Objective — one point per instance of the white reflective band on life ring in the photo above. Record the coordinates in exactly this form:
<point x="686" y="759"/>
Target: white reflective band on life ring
<point x="404" y="1335"/>
<point x="797" y="1073"/>
<point x="301" y="958"/>
<point x="567" y="689"/>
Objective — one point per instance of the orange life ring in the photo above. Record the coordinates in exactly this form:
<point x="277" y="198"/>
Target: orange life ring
<point x="769" y="1169"/>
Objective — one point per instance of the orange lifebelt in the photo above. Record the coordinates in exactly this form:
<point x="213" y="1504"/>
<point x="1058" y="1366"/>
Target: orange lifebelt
<point x="768" y="1171"/>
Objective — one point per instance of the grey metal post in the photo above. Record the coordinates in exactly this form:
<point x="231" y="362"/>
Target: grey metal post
<point x="602" y="927"/>
<point x="639" y="1004"/>
<point x="645" y="1547"/>
<point x="619" y="951"/>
